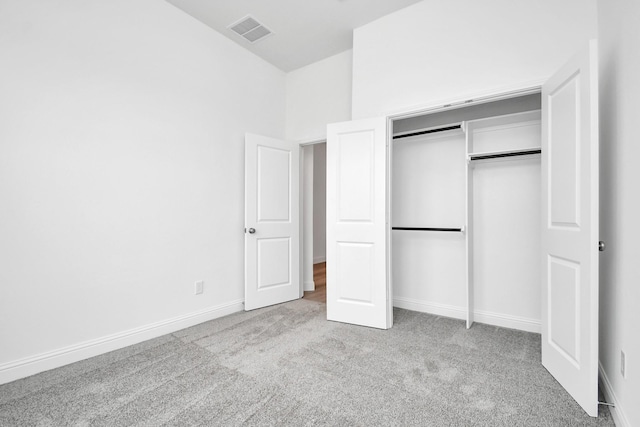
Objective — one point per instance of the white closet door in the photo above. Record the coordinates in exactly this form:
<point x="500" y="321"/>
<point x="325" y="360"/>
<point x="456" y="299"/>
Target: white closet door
<point x="272" y="211"/>
<point x="570" y="228"/>
<point x="357" y="229"/>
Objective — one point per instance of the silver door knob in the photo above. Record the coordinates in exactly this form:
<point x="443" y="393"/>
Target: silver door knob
<point x="252" y="230"/>
<point x="601" y="246"/>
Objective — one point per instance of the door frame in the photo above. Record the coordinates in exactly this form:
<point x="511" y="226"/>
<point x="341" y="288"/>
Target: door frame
<point x="303" y="230"/>
<point x="438" y="107"/>
<point x="430" y="108"/>
<point x="463" y="101"/>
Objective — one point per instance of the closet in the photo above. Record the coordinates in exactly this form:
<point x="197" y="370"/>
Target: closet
<point x="485" y="210"/>
<point x="465" y="213"/>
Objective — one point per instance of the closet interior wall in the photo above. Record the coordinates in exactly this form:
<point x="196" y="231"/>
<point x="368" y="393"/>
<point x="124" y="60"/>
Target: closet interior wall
<point x="428" y="191"/>
<point x="490" y="271"/>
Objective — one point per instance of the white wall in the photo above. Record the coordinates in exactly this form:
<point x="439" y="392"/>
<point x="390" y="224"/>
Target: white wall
<point x="319" y="202"/>
<point x="318" y="94"/>
<point x="121" y="174"/>
<point x="437" y="51"/>
<point x="619" y="204"/>
<point x="428" y="190"/>
<point x="506" y="241"/>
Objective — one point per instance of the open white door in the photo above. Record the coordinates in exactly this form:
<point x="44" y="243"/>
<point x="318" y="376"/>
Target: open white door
<point x="570" y="228"/>
<point x="271" y="243"/>
<point x="357" y="224"/>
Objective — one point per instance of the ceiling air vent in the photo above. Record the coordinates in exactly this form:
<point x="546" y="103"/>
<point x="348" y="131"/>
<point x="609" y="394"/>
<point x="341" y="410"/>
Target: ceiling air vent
<point x="250" y="29"/>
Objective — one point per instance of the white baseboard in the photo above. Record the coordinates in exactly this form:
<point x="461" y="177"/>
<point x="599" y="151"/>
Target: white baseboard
<point x="27" y="366"/>
<point x="508" y="321"/>
<point x="617" y="412"/>
<point x="319" y="259"/>
<point x="456" y="312"/>
<point x="309" y="286"/>
<point x="430" y="307"/>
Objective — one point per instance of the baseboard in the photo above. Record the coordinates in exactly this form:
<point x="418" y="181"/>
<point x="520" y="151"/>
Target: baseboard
<point x="457" y="312"/>
<point x="54" y="359"/>
<point x="508" y="321"/>
<point x="319" y="259"/>
<point x="617" y="412"/>
<point x="309" y="286"/>
<point x="430" y="307"/>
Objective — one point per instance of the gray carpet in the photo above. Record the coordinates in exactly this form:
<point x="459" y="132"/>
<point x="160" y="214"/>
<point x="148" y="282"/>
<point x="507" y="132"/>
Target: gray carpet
<point x="287" y="365"/>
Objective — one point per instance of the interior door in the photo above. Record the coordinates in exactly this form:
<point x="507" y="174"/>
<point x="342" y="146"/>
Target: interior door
<point x="358" y="285"/>
<point x="272" y="225"/>
<point x="570" y="228"/>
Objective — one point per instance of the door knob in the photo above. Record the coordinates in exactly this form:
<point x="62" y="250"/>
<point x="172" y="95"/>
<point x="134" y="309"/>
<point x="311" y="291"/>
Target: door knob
<point x="252" y="230"/>
<point x="601" y="246"/>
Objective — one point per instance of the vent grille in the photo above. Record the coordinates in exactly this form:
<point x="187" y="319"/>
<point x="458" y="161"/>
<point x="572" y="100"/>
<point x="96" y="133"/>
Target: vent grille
<point x="250" y="29"/>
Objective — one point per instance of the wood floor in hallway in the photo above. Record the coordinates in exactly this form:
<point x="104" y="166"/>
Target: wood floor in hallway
<point x="320" y="280"/>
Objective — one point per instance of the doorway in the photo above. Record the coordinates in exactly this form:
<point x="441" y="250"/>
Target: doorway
<point x="314" y="194"/>
<point x="319" y="294"/>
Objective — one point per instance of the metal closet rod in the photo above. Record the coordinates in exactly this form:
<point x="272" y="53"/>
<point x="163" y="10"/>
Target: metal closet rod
<point x="428" y="229"/>
<point x="424" y="132"/>
<point x="499" y="155"/>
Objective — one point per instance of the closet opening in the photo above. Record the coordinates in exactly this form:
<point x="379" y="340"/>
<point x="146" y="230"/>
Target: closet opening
<point x="466" y="212"/>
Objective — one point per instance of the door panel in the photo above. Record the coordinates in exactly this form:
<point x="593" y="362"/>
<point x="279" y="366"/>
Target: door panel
<point x="570" y="228"/>
<point x="564" y="157"/>
<point x="355" y="262"/>
<point x="273" y="262"/>
<point x="274" y="189"/>
<point x="357" y="227"/>
<point x="355" y="174"/>
<point x="272" y="211"/>
<point x="564" y="299"/>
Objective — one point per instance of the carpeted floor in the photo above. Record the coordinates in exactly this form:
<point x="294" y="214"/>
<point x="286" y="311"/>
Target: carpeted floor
<point x="287" y="365"/>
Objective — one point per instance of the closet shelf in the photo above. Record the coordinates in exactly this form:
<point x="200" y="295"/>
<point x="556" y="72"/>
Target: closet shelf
<point x="502" y="154"/>
<point x="445" y="128"/>
<point x="457" y="230"/>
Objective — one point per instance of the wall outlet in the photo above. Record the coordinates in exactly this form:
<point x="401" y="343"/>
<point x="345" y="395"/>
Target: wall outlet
<point x="623" y="364"/>
<point x="199" y="287"/>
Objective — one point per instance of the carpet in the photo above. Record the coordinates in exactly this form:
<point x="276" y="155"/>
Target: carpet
<point x="288" y="365"/>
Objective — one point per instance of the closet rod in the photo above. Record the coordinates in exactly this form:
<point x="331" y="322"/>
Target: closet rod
<point x="424" y="132"/>
<point x="428" y="229"/>
<point x="499" y="155"/>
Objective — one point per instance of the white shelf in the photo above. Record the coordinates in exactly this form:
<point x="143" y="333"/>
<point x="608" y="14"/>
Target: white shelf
<point x="506" y="120"/>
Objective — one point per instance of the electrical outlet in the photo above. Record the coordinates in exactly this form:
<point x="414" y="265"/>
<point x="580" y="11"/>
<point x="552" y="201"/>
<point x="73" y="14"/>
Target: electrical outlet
<point x="623" y="364"/>
<point x="199" y="287"/>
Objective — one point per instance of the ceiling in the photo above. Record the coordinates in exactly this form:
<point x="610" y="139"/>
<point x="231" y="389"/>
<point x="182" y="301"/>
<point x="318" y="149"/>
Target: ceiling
<point x="305" y="31"/>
